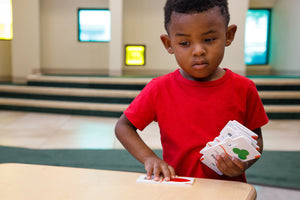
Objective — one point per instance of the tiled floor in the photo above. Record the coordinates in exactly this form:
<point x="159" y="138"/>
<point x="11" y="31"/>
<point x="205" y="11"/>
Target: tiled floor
<point x="55" y="131"/>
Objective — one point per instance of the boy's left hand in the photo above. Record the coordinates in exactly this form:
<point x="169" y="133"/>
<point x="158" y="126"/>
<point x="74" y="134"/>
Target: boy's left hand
<point x="231" y="167"/>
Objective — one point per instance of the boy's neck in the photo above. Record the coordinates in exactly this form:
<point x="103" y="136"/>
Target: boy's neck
<point x="218" y="73"/>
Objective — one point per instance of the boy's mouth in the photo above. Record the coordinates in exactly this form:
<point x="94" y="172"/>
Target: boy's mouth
<point x="200" y="65"/>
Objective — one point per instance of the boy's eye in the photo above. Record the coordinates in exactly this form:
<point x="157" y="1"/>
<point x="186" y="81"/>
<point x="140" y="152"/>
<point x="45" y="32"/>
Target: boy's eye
<point x="210" y="40"/>
<point x="184" y="43"/>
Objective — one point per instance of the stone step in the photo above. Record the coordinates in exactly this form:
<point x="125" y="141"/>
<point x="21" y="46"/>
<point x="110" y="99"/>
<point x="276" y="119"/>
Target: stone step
<point x="279" y="94"/>
<point x="276" y="81"/>
<point x="88" y="82"/>
<point x="69" y="91"/>
<point x="63" y="105"/>
<point x="97" y="109"/>
<point x="117" y="93"/>
<point x="137" y="83"/>
<point x="110" y="96"/>
<point x="282" y="108"/>
<point x="111" y="107"/>
<point x="88" y="79"/>
<point x="140" y="81"/>
<point x="114" y="110"/>
<point x="117" y="96"/>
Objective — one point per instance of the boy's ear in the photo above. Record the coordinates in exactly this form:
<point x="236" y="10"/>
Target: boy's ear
<point x="230" y="34"/>
<point x="167" y="43"/>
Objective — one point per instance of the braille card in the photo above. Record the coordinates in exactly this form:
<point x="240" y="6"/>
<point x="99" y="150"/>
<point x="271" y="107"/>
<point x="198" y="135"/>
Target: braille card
<point x="176" y="181"/>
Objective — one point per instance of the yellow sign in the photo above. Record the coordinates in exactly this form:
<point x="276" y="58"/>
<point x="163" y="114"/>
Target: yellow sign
<point x="135" y="55"/>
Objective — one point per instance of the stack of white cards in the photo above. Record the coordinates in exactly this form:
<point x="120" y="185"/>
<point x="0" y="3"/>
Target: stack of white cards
<point x="235" y="140"/>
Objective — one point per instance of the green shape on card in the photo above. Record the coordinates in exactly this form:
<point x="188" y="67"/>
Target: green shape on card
<point x="242" y="153"/>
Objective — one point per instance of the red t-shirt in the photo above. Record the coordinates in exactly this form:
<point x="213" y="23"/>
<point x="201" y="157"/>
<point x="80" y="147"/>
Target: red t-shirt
<point x="191" y="113"/>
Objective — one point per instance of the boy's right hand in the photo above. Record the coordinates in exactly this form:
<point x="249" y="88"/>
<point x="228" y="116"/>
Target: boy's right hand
<point x="156" y="166"/>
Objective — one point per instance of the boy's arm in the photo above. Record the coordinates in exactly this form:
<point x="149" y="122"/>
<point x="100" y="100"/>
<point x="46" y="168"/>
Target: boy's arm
<point x="127" y="135"/>
<point x="235" y="167"/>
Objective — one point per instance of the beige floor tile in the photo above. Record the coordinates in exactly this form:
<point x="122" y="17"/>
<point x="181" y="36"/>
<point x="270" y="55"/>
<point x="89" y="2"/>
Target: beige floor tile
<point x="84" y="138"/>
<point x="283" y="135"/>
<point x="41" y="130"/>
<point x="24" y="138"/>
<point x="37" y="121"/>
<point x="7" y="117"/>
<point x="150" y="135"/>
<point x="87" y="122"/>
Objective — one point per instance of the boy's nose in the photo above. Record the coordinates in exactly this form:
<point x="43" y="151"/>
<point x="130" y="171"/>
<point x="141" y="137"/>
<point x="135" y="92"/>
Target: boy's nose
<point x="198" y="50"/>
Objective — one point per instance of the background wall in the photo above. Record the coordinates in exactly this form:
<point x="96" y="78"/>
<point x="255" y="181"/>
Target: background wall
<point x="25" y="46"/>
<point x="144" y="23"/>
<point x="285" y="37"/>
<point x="5" y="60"/>
<point x="45" y="38"/>
<point x="61" y="52"/>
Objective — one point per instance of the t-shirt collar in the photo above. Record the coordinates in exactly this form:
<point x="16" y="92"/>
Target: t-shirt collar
<point x="228" y="74"/>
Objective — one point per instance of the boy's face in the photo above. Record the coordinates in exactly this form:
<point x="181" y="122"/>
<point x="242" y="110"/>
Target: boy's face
<point x="198" y="42"/>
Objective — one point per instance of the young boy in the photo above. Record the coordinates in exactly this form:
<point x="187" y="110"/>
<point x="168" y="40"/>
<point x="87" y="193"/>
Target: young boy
<point x="194" y="103"/>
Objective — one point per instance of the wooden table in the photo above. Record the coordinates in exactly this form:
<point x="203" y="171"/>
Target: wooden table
<point x="39" y="182"/>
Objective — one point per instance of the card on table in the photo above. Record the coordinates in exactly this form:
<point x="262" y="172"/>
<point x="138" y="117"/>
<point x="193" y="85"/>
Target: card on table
<point x="176" y="181"/>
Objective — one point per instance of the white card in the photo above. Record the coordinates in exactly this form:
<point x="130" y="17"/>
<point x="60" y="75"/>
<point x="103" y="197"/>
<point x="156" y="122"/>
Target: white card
<point x="211" y="163"/>
<point x="241" y="148"/>
<point x="176" y="181"/>
<point x="229" y="132"/>
<point x="245" y="129"/>
<point x="238" y="147"/>
<point x="235" y="140"/>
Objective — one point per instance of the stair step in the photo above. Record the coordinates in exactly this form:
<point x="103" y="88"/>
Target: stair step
<point x="283" y="111"/>
<point x="110" y="96"/>
<point x="88" y="82"/>
<point x="68" y="94"/>
<point x="117" y="96"/>
<point x="282" y="108"/>
<point x="140" y="81"/>
<point x="112" y="107"/>
<point x="277" y="84"/>
<point x="280" y="97"/>
<point x="279" y="94"/>
<point x="64" y="104"/>
<point x="276" y="81"/>
<point x="118" y="93"/>
<point x="102" y="109"/>
<point x="69" y="91"/>
<point x="115" y="110"/>
<point x="291" y="84"/>
<point x="84" y="79"/>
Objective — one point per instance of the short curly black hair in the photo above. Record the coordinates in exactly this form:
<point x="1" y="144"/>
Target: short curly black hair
<point x="194" y="6"/>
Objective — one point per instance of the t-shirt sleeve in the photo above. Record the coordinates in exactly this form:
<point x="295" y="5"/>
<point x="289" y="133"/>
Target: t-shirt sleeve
<point x="256" y="116"/>
<point x="141" y="111"/>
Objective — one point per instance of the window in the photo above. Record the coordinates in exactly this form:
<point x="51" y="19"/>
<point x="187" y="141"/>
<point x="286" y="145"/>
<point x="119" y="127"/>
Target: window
<point x="257" y="36"/>
<point x="6" y="20"/>
<point x="94" y="25"/>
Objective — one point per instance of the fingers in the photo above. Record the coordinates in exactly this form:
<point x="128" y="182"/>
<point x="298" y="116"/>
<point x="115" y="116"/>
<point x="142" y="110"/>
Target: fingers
<point x="156" y="172"/>
<point x="168" y="172"/>
<point x="172" y="171"/>
<point x="149" y="173"/>
<point x="158" y="168"/>
<point x="242" y="165"/>
<point x="230" y="166"/>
